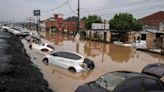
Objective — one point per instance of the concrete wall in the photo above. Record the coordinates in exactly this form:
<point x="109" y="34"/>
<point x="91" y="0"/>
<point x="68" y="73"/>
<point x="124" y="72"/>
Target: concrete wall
<point x="99" y="35"/>
<point x="161" y="27"/>
<point x="150" y="40"/>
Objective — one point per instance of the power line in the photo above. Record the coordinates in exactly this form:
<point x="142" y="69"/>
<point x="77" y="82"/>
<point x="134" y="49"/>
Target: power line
<point x="109" y="9"/>
<point x="125" y="5"/>
<point x="133" y="10"/>
<point x="70" y="7"/>
<point x="58" y="7"/>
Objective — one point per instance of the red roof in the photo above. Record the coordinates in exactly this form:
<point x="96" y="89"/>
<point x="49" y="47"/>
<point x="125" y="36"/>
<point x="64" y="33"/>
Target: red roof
<point x="153" y="19"/>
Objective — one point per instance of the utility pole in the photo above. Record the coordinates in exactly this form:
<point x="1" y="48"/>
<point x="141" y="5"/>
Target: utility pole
<point x="78" y="24"/>
<point x="77" y="35"/>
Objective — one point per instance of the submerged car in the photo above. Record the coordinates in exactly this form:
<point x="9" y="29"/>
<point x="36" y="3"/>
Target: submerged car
<point x="5" y="28"/>
<point x="15" y="31"/>
<point x="70" y="61"/>
<point x="42" y="46"/>
<point x="123" y="81"/>
<point x="156" y="69"/>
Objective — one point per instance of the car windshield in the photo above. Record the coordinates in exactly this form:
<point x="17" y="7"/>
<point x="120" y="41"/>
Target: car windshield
<point x="111" y="80"/>
<point x="16" y="29"/>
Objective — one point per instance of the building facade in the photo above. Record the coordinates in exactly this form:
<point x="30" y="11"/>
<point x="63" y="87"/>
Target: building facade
<point x="57" y="23"/>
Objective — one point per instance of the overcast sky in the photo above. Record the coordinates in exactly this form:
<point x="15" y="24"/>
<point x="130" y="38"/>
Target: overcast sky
<point x="20" y="10"/>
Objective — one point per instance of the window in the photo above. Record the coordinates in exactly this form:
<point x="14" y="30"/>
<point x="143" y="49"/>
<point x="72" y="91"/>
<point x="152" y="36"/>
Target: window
<point x="68" y="55"/>
<point x="43" y="44"/>
<point x="50" y="46"/>
<point x="54" y="54"/>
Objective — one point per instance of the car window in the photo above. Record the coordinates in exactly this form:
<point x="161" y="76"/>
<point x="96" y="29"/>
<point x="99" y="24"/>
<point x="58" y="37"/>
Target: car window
<point x="50" y="46"/>
<point x="54" y="54"/>
<point x="43" y="44"/>
<point x="68" y="55"/>
<point x="111" y="80"/>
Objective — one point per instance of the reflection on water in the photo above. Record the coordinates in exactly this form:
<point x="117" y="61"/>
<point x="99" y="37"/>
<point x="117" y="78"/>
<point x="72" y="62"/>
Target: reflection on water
<point x="58" y="38"/>
<point x="90" y="48"/>
<point x="116" y="53"/>
<point x="107" y="58"/>
<point x="78" y="76"/>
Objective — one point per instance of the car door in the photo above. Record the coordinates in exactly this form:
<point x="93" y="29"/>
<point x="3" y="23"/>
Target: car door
<point x="55" y="59"/>
<point x="64" y="62"/>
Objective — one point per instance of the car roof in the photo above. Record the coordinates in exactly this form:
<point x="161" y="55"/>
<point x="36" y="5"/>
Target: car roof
<point x="128" y="74"/>
<point x="74" y="56"/>
<point x="156" y="69"/>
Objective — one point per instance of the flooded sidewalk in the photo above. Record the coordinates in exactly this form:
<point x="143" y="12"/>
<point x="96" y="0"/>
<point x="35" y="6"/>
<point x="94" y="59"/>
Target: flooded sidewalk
<point x="107" y="58"/>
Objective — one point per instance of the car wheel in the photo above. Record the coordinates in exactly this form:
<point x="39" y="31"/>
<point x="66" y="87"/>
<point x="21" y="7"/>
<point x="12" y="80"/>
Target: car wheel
<point x="44" y="50"/>
<point x="5" y="30"/>
<point x="71" y="69"/>
<point x="45" y="61"/>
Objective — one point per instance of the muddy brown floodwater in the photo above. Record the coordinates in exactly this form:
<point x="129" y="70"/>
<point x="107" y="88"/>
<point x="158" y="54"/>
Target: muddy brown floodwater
<point x="107" y="58"/>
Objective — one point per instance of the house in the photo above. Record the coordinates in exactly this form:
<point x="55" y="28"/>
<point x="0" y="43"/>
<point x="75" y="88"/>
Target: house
<point x="154" y="21"/>
<point x="124" y="37"/>
<point x="99" y="35"/>
<point x="99" y="32"/>
<point x="57" y="23"/>
<point x="154" y="39"/>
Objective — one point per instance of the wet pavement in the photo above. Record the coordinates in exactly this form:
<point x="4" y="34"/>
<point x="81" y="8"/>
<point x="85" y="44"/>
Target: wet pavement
<point x="107" y="57"/>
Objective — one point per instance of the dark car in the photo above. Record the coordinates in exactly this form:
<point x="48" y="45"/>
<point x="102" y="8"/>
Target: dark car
<point x="123" y="81"/>
<point x="156" y="69"/>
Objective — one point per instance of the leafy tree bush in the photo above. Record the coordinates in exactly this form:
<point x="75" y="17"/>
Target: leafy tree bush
<point x="125" y="22"/>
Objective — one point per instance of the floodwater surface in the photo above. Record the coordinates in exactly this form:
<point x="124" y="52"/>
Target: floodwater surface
<point x="107" y="58"/>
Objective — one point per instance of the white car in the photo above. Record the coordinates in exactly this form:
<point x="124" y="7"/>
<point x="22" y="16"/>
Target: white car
<point x="5" y="28"/>
<point x="15" y="31"/>
<point x="70" y="61"/>
<point x="44" y="47"/>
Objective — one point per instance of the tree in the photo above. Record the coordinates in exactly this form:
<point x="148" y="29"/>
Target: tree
<point x="125" y="22"/>
<point x="91" y="19"/>
<point x="73" y="18"/>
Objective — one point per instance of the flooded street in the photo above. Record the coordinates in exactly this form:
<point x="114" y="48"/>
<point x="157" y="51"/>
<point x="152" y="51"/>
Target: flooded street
<point x="107" y="57"/>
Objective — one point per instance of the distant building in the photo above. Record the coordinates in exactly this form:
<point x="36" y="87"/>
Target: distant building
<point x="57" y="23"/>
<point x="154" y="21"/>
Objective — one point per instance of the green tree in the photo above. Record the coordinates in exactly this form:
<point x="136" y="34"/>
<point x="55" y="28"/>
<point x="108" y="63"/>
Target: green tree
<point x="125" y="22"/>
<point x="91" y="19"/>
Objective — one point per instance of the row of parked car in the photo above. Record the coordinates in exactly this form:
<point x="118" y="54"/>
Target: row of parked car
<point x="16" y="31"/>
<point x="73" y="62"/>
